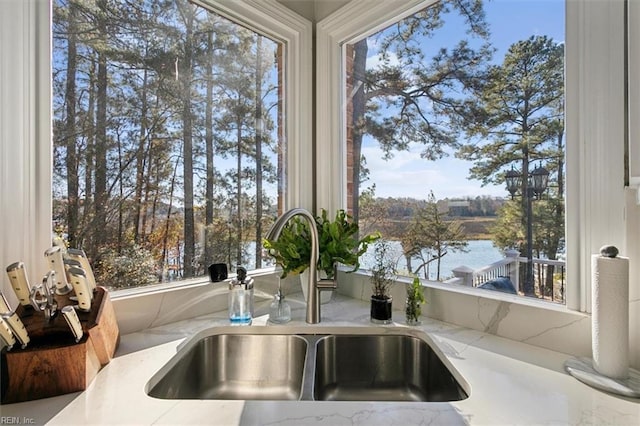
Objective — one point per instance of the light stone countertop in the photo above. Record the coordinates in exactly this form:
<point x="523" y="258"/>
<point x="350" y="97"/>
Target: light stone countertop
<point x="511" y="383"/>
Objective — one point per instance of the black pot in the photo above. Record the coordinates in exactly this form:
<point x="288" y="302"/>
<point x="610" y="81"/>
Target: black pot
<point x="381" y="309"/>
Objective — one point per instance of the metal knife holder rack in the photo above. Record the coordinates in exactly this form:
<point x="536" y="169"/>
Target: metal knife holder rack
<point x="53" y="363"/>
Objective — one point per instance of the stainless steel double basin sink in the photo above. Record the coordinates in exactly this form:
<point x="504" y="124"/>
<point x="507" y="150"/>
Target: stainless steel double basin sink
<point x="309" y="364"/>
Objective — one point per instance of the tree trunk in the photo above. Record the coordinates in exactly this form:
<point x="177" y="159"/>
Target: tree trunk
<point x="90" y="150"/>
<point x="258" y="130"/>
<point x="187" y="129"/>
<point x="140" y="161"/>
<point x="359" y="104"/>
<point x="100" y="197"/>
<point x="559" y="218"/>
<point x="121" y="203"/>
<point x="529" y="286"/>
<point x="239" y="187"/>
<point x="167" y="227"/>
<point x="209" y="148"/>
<point x="408" y="259"/>
<point x="70" y="130"/>
<point x="281" y="140"/>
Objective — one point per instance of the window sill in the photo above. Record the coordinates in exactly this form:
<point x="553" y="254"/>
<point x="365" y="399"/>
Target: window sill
<point x="518" y="318"/>
<point x="177" y="285"/>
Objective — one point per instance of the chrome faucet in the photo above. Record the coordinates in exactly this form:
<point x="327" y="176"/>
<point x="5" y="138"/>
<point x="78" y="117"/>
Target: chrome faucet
<point x="314" y="285"/>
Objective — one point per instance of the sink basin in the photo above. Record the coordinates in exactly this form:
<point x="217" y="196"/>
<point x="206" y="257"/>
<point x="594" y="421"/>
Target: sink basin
<point x="236" y="366"/>
<point x="309" y="364"/>
<point x="381" y="368"/>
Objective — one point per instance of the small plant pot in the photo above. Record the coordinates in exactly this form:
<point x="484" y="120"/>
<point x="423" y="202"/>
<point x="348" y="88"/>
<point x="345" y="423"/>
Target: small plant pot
<point x="381" y="310"/>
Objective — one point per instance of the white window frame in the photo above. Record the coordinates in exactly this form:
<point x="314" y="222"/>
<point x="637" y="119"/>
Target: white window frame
<point x="26" y="130"/>
<point x="595" y="104"/>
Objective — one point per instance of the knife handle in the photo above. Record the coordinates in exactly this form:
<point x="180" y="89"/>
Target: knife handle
<point x="79" y="283"/>
<point x="70" y="315"/>
<point x="19" y="282"/>
<point x="4" y="305"/>
<point x="6" y="334"/>
<point x="80" y="256"/>
<point x="56" y="263"/>
<point x="17" y="327"/>
<point x="71" y="263"/>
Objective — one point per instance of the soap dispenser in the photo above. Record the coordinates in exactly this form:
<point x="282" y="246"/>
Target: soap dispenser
<point x="241" y="298"/>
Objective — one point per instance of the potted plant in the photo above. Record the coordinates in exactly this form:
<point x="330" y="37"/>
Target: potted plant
<point x="415" y="299"/>
<point x="292" y="249"/>
<point x="339" y="242"/>
<point x="382" y="278"/>
<point x="337" y="239"/>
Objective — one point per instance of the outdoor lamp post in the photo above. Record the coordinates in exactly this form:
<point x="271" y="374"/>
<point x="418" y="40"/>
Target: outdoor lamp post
<point x="535" y="186"/>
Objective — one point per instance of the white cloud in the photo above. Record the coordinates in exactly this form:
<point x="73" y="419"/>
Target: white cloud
<point x="408" y="175"/>
<point x="375" y="61"/>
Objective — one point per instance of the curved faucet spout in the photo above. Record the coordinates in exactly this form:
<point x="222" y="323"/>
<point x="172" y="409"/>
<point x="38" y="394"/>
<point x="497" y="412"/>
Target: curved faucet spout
<point x="314" y="286"/>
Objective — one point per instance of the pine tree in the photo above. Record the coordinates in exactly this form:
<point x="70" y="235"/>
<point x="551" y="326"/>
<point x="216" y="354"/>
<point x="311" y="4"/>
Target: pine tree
<point x="516" y="118"/>
<point x="415" y="100"/>
<point x="432" y="231"/>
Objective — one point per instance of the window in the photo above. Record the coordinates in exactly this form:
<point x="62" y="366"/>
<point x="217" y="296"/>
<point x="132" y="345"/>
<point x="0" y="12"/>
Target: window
<point x="595" y="121"/>
<point x="341" y="34"/>
<point x="443" y="107"/>
<point x="169" y="137"/>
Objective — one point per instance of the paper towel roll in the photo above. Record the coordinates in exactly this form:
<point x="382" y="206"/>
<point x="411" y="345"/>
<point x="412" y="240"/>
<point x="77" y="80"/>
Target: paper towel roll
<point x="610" y="315"/>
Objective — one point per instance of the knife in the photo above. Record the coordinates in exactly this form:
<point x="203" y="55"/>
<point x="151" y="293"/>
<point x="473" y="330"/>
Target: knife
<point x="4" y="305"/>
<point x="79" y="282"/>
<point x="19" y="282"/>
<point x="6" y="334"/>
<point x="68" y="263"/>
<point x="80" y="256"/>
<point x="17" y="327"/>
<point x="54" y="256"/>
<point x="73" y="321"/>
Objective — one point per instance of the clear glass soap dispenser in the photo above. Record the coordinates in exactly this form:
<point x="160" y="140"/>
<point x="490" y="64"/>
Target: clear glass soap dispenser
<point x="241" y="298"/>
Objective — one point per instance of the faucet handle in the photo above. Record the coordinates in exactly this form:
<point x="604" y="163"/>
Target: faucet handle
<point x="326" y="284"/>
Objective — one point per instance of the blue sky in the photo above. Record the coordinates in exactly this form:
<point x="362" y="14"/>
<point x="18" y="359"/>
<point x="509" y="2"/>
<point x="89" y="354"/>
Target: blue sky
<point x="407" y="175"/>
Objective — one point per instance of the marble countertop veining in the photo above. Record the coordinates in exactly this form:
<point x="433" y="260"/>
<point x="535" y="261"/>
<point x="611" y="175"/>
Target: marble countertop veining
<point x="511" y="383"/>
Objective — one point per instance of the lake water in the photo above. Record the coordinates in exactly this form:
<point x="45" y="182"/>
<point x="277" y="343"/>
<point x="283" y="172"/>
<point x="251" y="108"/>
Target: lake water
<point x="479" y="253"/>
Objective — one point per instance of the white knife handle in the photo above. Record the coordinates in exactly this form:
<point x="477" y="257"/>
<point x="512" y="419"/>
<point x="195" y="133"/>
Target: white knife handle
<point x="17" y="327"/>
<point x="80" y="256"/>
<point x="72" y="263"/>
<point x="73" y="321"/>
<point x="4" y="305"/>
<point x="19" y="282"/>
<point x="56" y="263"/>
<point x="7" y="334"/>
<point x="79" y="283"/>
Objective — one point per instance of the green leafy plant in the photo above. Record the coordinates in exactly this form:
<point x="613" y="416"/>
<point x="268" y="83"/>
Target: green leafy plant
<point x="338" y="242"/>
<point x="415" y="299"/>
<point x="292" y="249"/>
<point x="383" y="271"/>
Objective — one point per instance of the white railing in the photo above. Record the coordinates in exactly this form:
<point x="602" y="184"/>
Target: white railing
<point x="549" y="275"/>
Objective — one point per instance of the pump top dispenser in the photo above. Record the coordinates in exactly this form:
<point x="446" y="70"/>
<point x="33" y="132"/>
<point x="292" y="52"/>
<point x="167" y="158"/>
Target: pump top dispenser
<point x="241" y="298"/>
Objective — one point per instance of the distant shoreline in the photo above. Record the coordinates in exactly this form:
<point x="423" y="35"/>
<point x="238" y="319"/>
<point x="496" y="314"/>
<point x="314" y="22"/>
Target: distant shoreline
<point x="477" y="227"/>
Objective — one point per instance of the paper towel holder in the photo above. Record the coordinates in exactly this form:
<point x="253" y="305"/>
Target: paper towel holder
<point x="582" y="369"/>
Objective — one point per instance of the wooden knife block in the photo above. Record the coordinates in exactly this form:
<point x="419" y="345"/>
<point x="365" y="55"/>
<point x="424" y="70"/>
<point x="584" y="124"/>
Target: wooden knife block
<point x="53" y="363"/>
